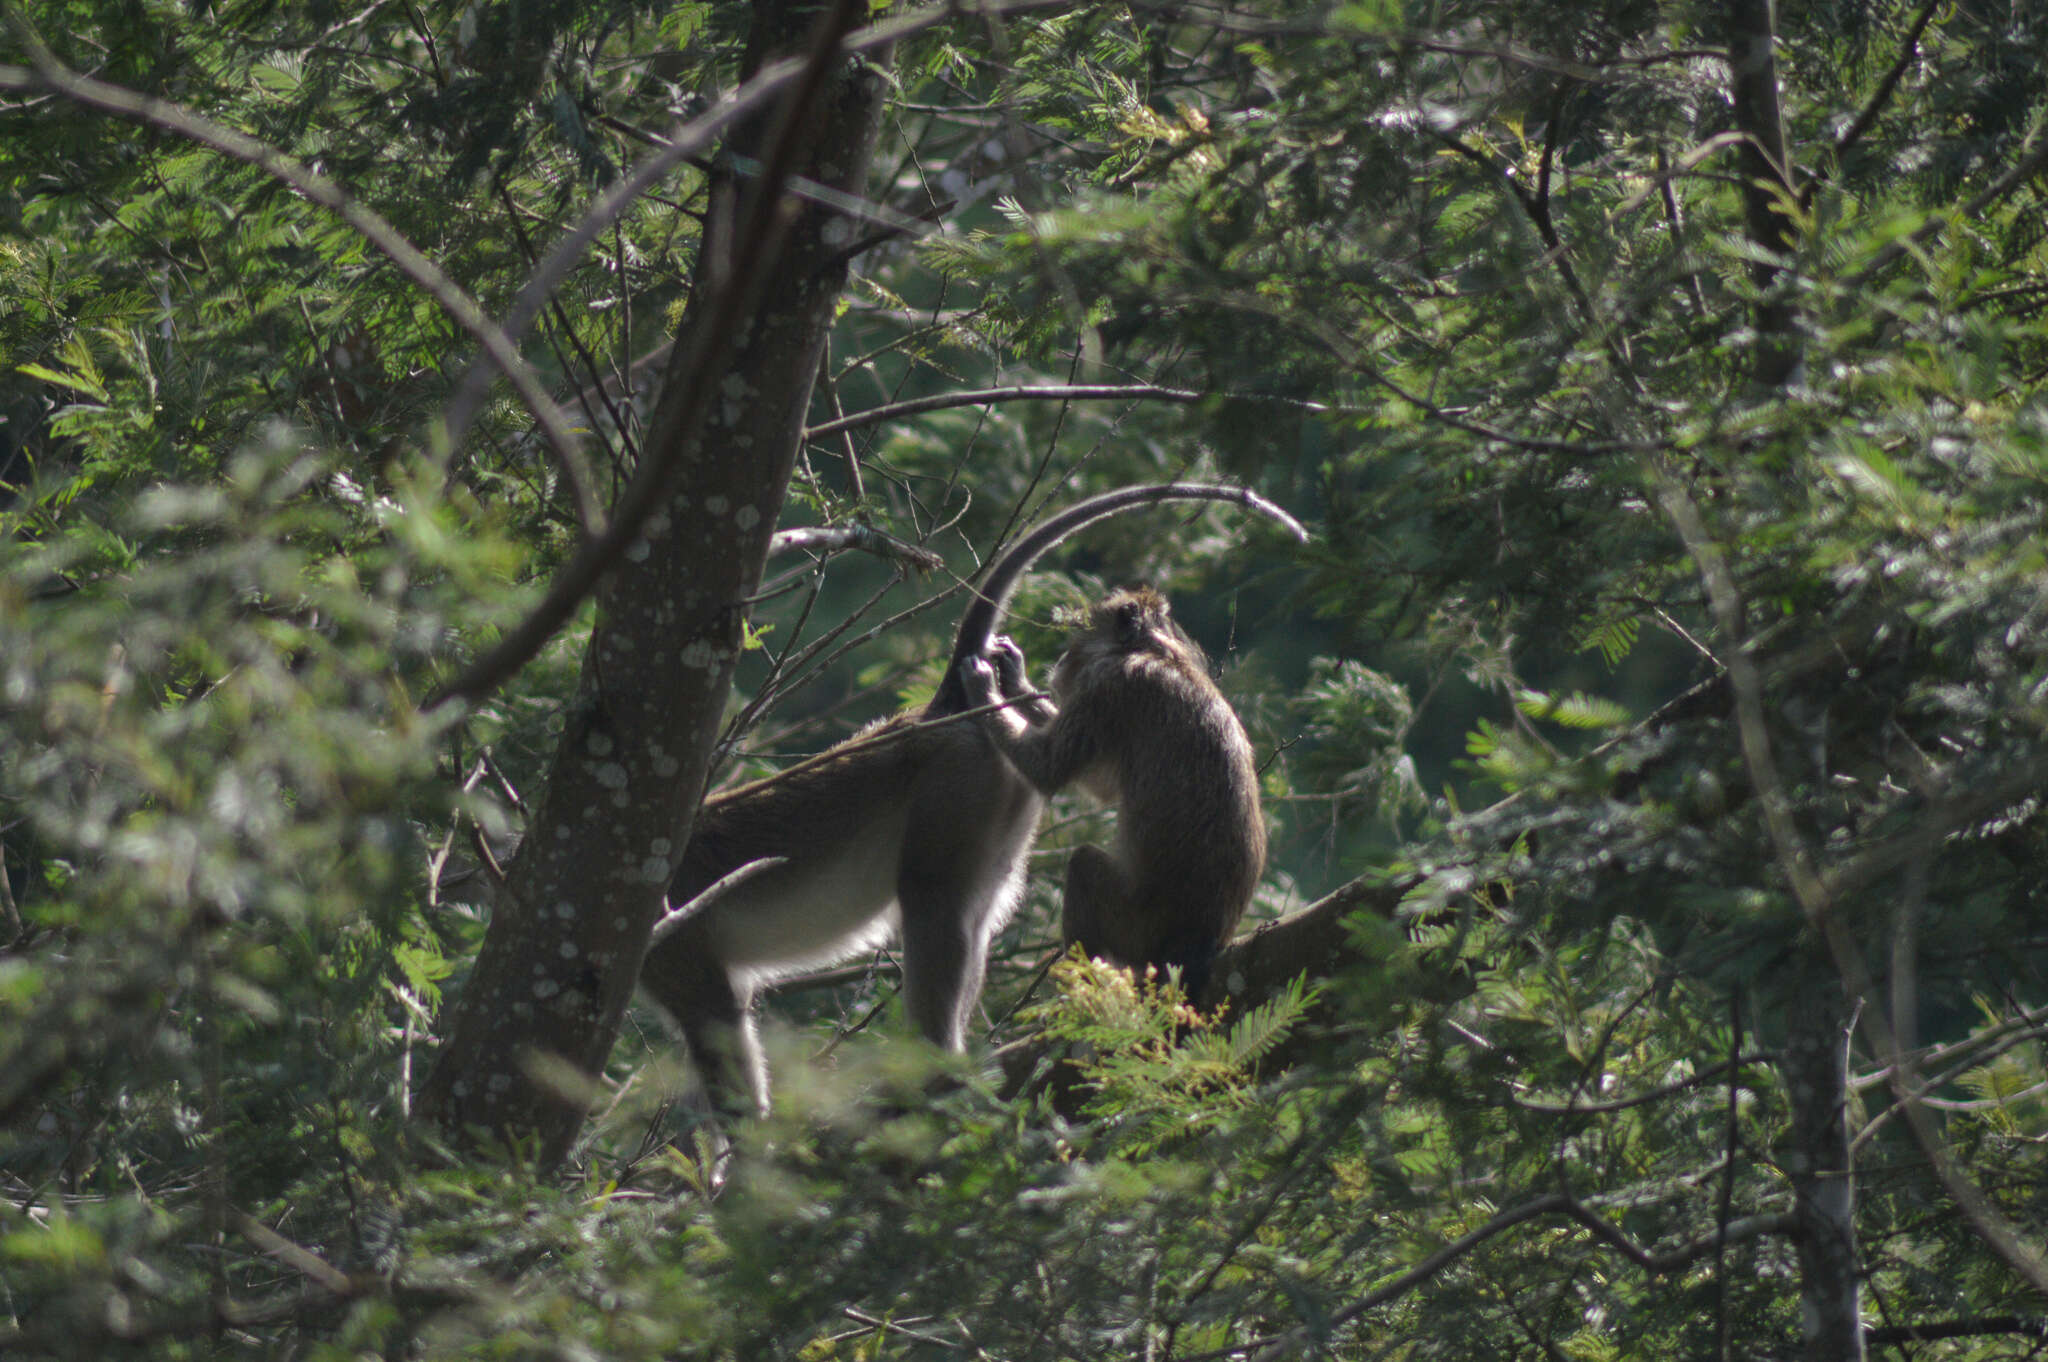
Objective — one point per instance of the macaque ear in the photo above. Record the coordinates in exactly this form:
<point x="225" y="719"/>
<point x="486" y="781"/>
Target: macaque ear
<point x="1130" y="623"/>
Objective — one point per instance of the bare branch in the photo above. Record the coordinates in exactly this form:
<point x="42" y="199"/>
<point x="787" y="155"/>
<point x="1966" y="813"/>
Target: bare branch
<point x="1970" y="1052"/>
<point x="1554" y="1203"/>
<point x="712" y="893"/>
<point x="1343" y="348"/>
<point x="835" y="538"/>
<point x="306" y="1262"/>
<point x="2033" y="156"/>
<point x="882" y="737"/>
<point x="712" y="343"/>
<point x="1252" y="968"/>
<point x="1284" y="1344"/>
<point x="752" y="96"/>
<point x="829" y="386"/>
<point x="1908" y="49"/>
<point x="1051" y="392"/>
<point x="1640" y="1099"/>
<point x="2030" y="1326"/>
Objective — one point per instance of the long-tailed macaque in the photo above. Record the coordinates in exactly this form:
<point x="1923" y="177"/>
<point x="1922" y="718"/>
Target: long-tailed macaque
<point x="1141" y="726"/>
<point x="910" y="825"/>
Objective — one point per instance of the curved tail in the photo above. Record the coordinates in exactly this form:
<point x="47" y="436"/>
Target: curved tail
<point x="992" y="598"/>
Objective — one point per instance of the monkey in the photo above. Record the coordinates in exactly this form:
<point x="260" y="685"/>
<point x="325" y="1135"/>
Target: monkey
<point x="1140" y="725"/>
<point x="911" y="827"/>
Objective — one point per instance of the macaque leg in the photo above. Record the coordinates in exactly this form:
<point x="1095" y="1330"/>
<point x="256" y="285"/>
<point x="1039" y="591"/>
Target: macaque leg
<point x="944" y="954"/>
<point x="1093" y="913"/>
<point x="716" y="1018"/>
<point x="951" y="884"/>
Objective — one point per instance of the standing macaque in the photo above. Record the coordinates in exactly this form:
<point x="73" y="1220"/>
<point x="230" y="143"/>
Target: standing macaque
<point x="1141" y="726"/>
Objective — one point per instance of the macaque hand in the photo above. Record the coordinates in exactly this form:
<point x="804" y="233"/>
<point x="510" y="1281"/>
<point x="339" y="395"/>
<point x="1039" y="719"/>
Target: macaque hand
<point x="978" y="676"/>
<point x="1009" y="664"/>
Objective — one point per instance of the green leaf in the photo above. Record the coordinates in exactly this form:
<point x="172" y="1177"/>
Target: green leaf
<point x="1573" y="711"/>
<point x="89" y="384"/>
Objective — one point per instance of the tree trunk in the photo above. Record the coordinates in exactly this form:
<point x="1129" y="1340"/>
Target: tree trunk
<point x="570" y="925"/>
<point x="1816" y="1056"/>
<point x="1766" y="180"/>
<point x="1816" y="1071"/>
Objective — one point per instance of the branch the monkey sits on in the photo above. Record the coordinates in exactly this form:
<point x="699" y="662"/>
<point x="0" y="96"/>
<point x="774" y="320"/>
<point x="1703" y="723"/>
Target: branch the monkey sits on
<point x="1141" y="726"/>
<point x="910" y="825"/>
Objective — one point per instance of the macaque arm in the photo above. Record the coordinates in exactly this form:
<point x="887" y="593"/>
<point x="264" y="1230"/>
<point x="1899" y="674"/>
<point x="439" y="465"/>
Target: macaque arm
<point x="1034" y="706"/>
<point x="1051" y="754"/>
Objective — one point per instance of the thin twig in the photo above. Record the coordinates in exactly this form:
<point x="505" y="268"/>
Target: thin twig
<point x="751" y="96"/>
<point x="51" y="74"/>
<point x="1816" y="895"/>
<point x="1872" y="107"/>
<point x="2033" y="156"/>
<point x="1640" y="1099"/>
<point x="1288" y="1344"/>
<point x="714" y="338"/>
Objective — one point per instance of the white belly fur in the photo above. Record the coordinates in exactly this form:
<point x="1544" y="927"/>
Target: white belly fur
<point x="824" y="907"/>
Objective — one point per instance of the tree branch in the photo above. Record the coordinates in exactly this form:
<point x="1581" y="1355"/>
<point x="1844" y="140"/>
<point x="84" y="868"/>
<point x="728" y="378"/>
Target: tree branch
<point x="1342" y="348"/>
<point x="750" y="97"/>
<point x="1767" y="189"/>
<point x="1314" y="942"/>
<point x="2033" y="156"/>
<point x="835" y="538"/>
<point x="2031" y="1326"/>
<point x="51" y="74"/>
<point x="1882" y="95"/>
<point x="1658" y="1094"/>
<point x="1555" y="1203"/>
<point x="711" y="346"/>
<point x="1049" y="392"/>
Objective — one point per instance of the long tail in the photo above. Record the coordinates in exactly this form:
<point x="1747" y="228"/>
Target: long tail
<point x="985" y="612"/>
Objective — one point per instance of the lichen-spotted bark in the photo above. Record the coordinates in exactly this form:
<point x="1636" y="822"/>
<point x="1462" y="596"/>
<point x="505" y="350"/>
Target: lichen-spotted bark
<point x="571" y="922"/>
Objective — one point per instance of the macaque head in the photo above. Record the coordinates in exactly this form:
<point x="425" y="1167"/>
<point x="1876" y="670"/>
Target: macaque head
<point x="1130" y="620"/>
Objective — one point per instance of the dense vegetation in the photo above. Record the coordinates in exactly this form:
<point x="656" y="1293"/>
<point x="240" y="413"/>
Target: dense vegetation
<point x="1653" y="730"/>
